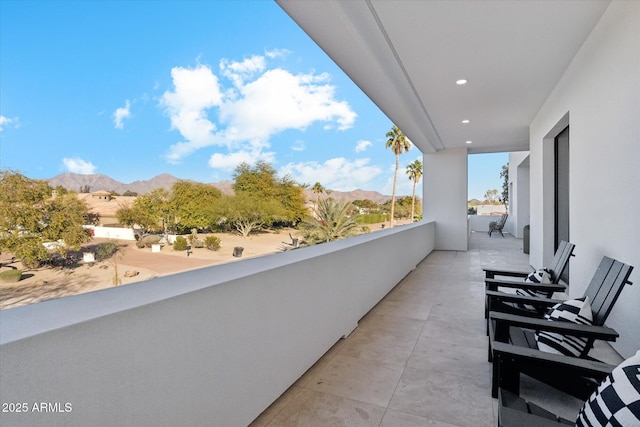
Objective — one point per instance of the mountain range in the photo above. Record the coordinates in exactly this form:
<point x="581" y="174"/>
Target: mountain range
<point x="98" y="182"/>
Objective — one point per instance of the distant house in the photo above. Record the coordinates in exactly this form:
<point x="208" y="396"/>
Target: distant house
<point x="491" y="209"/>
<point x="101" y="195"/>
<point x="106" y="205"/>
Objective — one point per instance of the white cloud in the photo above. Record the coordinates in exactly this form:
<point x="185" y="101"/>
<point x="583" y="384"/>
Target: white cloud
<point x="362" y="146"/>
<point x="404" y="185"/>
<point x="4" y="121"/>
<point x="230" y="161"/>
<point x="298" y="145"/>
<point x="257" y="104"/>
<point x="237" y="72"/>
<point x="120" y="114"/>
<point x="195" y="91"/>
<point x="77" y="165"/>
<point x="275" y="53"/>
<point x="278" y="100"/>
<point x="337" y="173"/>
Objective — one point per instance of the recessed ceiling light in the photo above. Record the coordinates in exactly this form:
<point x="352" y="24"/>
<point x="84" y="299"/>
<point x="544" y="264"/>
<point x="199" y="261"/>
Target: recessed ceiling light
<point x="465" y="121"/>
<point x="468" y="142"/>
<point x="461" y="82"/>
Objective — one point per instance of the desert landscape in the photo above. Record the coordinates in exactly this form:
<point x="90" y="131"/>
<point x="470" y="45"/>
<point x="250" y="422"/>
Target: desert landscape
<point x="48" y="282"/>
<point x="141" y="264"/>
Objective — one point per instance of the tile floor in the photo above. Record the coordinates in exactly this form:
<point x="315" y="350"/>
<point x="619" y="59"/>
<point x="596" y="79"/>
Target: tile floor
<point x="419" y="358"/>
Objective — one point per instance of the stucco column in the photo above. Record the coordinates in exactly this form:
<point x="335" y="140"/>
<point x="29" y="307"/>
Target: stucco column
<point x="445" y="197"/>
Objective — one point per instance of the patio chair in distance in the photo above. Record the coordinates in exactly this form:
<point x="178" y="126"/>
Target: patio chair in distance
<point x="603" y="291"/>
<point x="498" y="225"/>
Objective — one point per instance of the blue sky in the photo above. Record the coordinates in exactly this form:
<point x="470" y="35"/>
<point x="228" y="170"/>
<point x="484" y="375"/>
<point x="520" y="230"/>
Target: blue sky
<point x="133" y="89"/>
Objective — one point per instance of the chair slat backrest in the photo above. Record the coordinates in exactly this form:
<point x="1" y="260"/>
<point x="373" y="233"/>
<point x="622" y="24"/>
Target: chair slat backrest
<point x="561" y="260"/>
<point x="605" y="287"/>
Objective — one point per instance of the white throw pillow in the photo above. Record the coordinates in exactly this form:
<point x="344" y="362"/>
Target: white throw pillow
<point x="575" y="311"/>
<point x="538" y="276"/>
<point x="616" y="402"/>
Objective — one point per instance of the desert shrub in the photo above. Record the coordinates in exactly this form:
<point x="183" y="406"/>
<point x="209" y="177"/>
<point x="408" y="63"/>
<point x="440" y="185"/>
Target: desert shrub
<point x="212" y="243"/>
<point x="31" y="261"/>
<point x="180" y="244"/>
<point x="365" y="229"/>
<point x="147" y="241"/>
<point x="193" y="239"/>
<point x="106" y="250"/>
<point x="10" y="276"/>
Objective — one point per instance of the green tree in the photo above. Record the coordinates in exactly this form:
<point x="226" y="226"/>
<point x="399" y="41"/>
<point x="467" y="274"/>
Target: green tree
<point x="491" y="197"/>
<point x="194" y="204"/>
<point x="30" y="216"/>
<point x="261" y="183"/>
<point x="290" y="195"/>
<point x="402" y="207"/>
<point x="126" y="216"/>
<point x="370" y="205"/>
<point x="317" y="189"/>
<point x="151" y="212"/>
<point x="246" y="213"/>
<point x="414" y="170"/>
<point x="260" y="179"/>
<point x="330" y="222"/>
<point x="504" y="174"/>
<point x="398" y="142"/>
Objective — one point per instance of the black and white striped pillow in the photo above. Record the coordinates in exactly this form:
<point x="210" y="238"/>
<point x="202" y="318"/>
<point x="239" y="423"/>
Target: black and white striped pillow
<point x="538" y="276"/>
<point x="576" y="311"/>
<point x="616" y="402"/>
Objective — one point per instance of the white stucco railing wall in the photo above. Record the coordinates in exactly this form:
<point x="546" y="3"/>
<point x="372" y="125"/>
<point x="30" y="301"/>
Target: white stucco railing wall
<point x="113" y="233"/>
<point x="213" y="346"/>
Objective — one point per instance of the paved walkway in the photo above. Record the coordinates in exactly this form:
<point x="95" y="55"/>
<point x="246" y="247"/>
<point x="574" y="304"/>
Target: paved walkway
<point x="418" y="358"/>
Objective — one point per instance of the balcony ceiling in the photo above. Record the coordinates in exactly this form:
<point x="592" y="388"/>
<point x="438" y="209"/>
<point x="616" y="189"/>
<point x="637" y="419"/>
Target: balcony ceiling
<point x="406" y="55"/>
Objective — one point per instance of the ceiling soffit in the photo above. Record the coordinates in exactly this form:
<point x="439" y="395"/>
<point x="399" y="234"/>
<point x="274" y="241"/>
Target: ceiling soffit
<point x="406" y="56"/>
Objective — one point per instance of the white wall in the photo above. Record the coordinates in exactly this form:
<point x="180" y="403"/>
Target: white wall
<point x="519" y="192"/>
<point x="113" y="233"/>
<point x="599" y="96"/>
<point x="445" y="197"/>
<point x="213" y="346"/>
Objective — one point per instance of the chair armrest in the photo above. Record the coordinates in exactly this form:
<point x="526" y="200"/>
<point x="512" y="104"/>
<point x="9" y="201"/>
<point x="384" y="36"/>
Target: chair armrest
<point x="504" y="320"/>
<point x="541" y="304"/>
<point x="522" y="356"/>
<point x="490" y="272"/>
<point x="576" y="376"/>
<point x="494" y="284"/>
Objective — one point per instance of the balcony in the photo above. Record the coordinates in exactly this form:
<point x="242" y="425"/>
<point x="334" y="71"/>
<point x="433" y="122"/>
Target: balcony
<point x="419" y="357"/>
<point x="217" y="346"/>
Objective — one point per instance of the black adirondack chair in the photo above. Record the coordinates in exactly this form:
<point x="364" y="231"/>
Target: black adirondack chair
<point x="498" y="225"/>
<point x="558" y="265"/>
<point x="615" y="404"/>
<point x="514" y="411"/>
<point x="519" y="331"/>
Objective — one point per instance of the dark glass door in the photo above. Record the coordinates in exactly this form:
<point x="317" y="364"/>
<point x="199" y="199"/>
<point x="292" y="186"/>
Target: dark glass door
<point x="562" y="192"/>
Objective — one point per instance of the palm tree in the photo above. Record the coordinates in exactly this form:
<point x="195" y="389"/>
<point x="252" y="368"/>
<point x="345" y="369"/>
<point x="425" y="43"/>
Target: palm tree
<point x="329" y="223"/>
<point x="399" y="144"/>
<point x="318" y="189"/>
<point x="414" y="170"/>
